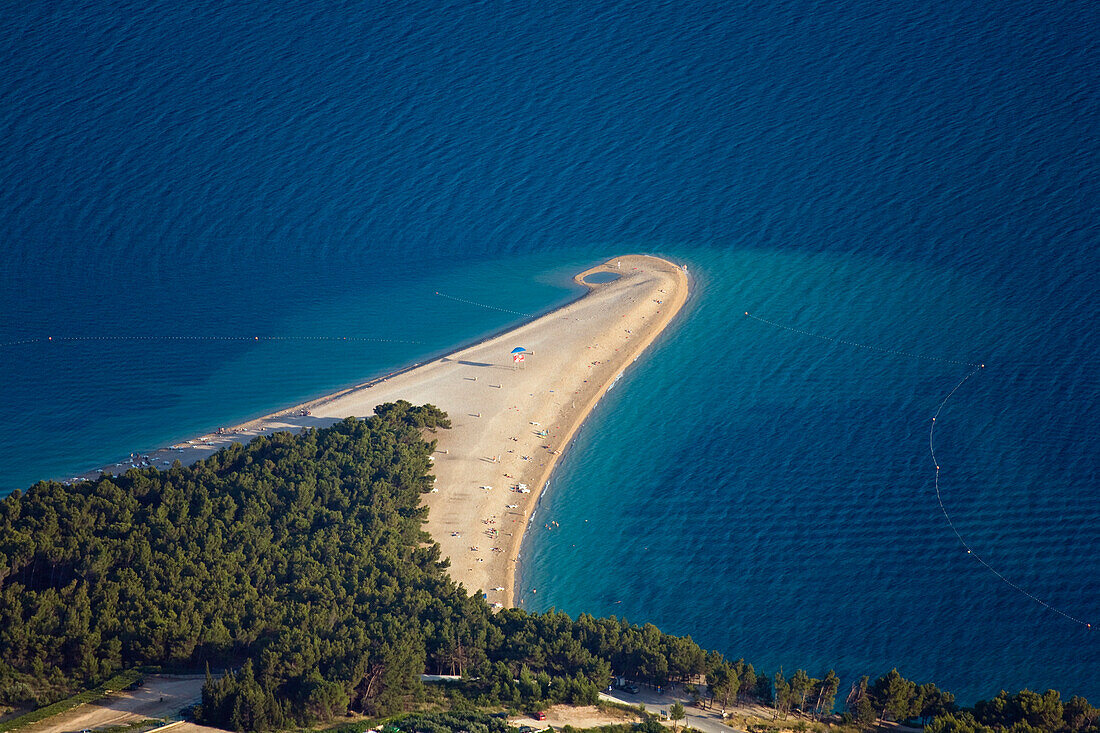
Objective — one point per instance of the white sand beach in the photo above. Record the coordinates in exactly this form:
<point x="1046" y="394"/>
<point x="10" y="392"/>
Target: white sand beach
<point x="510" y="421"/>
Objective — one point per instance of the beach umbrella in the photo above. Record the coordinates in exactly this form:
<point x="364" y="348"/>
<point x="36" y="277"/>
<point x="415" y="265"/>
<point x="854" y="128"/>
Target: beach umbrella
<point x="518" y="350"/>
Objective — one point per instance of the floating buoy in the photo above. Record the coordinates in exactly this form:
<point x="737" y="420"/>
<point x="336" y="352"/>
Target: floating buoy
<point x="974" y="367"/>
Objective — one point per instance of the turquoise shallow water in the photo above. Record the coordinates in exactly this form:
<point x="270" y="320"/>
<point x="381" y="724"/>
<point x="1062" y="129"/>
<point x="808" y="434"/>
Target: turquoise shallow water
<point x="765" y="490"/>
<point x="920" y="179"/>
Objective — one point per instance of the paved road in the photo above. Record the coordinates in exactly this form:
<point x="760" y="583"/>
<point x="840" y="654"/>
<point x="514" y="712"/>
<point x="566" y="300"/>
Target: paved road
<point x="708" y="721"/>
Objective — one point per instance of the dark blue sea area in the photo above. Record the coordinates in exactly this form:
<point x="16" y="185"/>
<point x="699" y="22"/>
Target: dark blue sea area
<point x="210" y="211"/>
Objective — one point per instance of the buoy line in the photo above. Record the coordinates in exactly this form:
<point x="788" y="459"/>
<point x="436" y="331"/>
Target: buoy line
<point x="975" y="368"/>
<point x="72" y="339"/>
<point x="858" y="345"/>
<point x="369" y="339"/>
<point x="482" y="305"/>
<point x="969" y="550"/>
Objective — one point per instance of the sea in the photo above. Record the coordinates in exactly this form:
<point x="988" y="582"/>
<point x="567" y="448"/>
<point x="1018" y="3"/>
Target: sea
<point x="211" y="211"/>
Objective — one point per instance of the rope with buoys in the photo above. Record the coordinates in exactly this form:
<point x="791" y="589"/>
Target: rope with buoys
<point x="482" y="305"/>
<point x="55" y="339"/>
<point x="966" y="545"/>
<point x="975" y="368"/>
<point x="858" y="345"/>
<point x="77" y="339"/>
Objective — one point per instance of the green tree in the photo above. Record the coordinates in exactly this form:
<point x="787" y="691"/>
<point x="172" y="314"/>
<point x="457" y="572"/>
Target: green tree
<point x="932" y="702"/>
<point x="859" y="705"/>
<point x="825" y="692"/>
<point x="782" y="695"/>
<point x="1079" y="715"/>
<point x="724" y="683"/>
<point x="800" y="687"/>
<point x="1042" y="712"/>
<point x="748" y="678"/>
<point x="676" y="712"/>
<point x="951" y="723"/>
<point x="864" y="714"/>
<point x="893" y="696"/>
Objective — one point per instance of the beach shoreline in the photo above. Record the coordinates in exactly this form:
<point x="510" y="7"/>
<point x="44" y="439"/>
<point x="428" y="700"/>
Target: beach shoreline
<point x="510" y="419"/>
<point x="581" y="416"/>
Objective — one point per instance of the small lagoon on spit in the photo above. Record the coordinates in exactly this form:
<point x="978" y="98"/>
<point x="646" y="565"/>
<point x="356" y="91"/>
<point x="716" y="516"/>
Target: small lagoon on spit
<point x="211" y="213"/>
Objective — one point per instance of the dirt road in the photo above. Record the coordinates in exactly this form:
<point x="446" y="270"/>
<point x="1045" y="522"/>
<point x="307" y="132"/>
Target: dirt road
<point x="160" y="696"/>
<point x="578" y="717"/>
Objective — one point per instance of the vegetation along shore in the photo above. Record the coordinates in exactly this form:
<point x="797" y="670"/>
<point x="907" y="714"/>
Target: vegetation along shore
<point x="300" y="564"/>
<point x="322" y="568"/>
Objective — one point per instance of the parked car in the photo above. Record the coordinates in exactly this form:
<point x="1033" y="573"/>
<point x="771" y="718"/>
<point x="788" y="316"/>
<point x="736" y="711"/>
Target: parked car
<point x="539" y="715"/>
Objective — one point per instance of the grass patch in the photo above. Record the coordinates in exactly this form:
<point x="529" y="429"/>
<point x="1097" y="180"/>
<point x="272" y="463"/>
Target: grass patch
<point x="118" y="682"/>
<point x="636" y="710"/>
<point x="136" y="727"/>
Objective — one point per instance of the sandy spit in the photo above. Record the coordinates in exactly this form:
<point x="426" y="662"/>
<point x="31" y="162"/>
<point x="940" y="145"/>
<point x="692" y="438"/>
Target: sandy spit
<point x="510" y="421"/>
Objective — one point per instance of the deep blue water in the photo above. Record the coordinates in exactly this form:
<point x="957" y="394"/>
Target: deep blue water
<point x="917" y="177"/>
